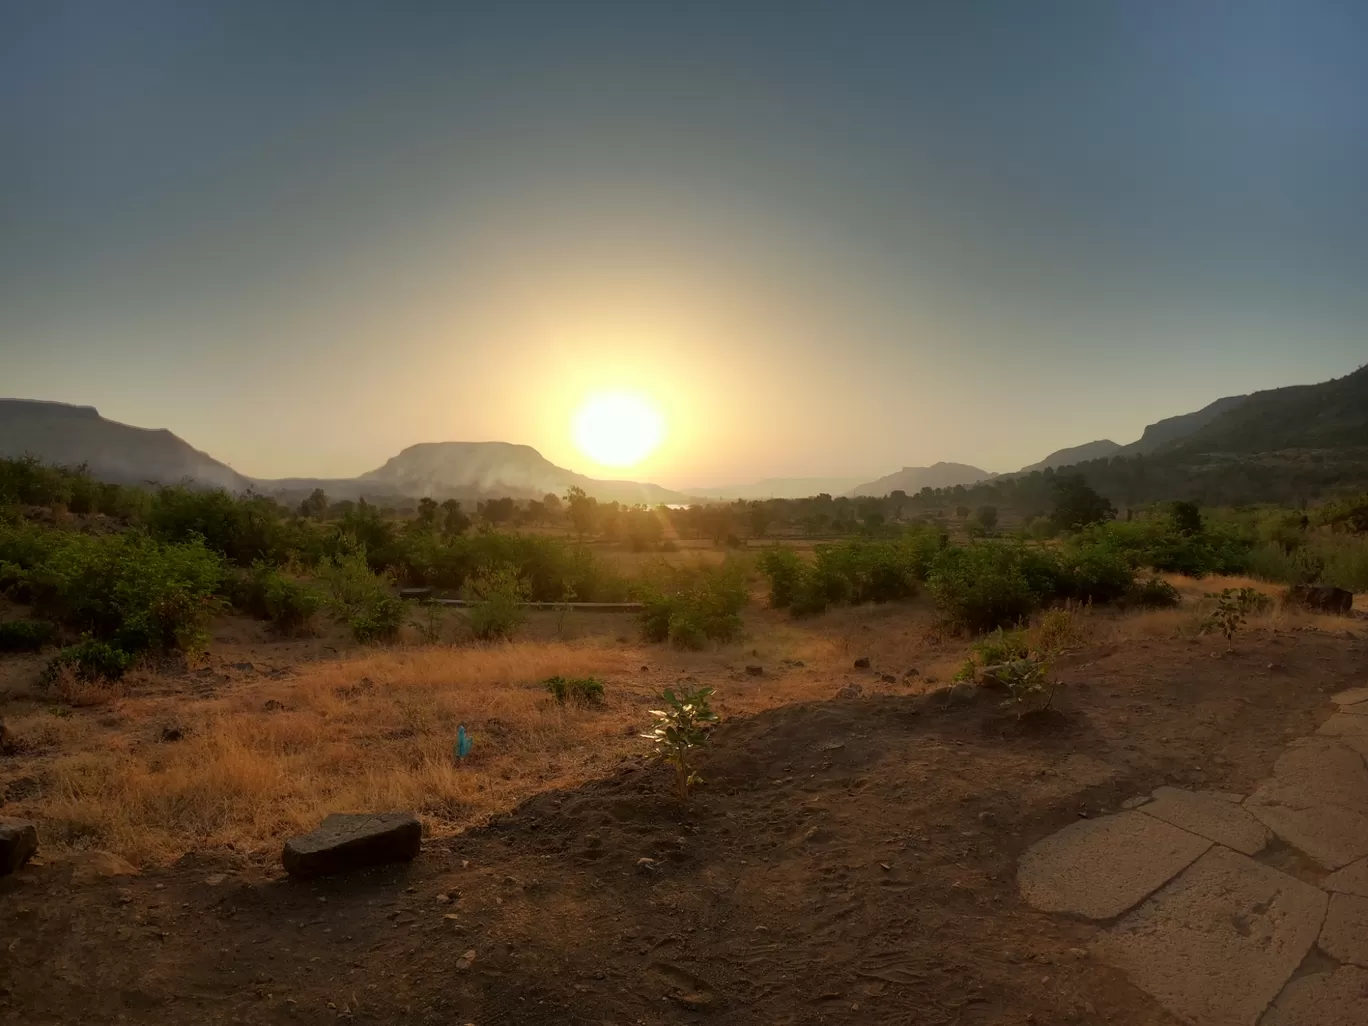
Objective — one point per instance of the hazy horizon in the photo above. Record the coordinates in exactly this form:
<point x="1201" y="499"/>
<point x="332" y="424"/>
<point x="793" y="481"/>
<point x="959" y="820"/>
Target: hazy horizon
<point x="823" y="241"/>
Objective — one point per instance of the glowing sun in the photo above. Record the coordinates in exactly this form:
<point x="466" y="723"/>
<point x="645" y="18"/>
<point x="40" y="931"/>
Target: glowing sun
<point x="618" y="429"/>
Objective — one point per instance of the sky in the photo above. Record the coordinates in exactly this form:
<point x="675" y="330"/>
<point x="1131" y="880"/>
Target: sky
<point x="821" y="238"/>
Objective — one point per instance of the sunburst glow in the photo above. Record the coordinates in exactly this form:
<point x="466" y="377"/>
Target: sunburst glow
<point x="618" y="429"/>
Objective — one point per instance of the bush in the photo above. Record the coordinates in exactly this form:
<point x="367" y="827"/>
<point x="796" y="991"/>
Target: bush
<point x="575" y="690"/>
<point x="89" y="660"/>
<point x="1094" y="573"/>
<point x="361" y="599"/>
<point x="981" y="587"/>
<point x="1001" y="647"/>
<point x="1155" y="593"/>
<point x="495" y="596"/>
<point x="859" y="570"/>
<point x="785" y="570"/>
<point x="25" y="635"/>
<point x="123" y="588"/>
<point x="693" y="606"/>
<point x="287" y="603"/>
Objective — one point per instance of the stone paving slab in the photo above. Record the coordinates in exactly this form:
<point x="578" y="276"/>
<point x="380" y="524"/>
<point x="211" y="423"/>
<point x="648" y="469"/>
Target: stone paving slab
<point x="1099" y="868"/>
<point x="1352" y="879"/>
<point x="1339" y="998"/>
<point x="1217" y="944"/>
<point x="1344" y="724"/>
<point x="1202" y="813"/>
<point x="1345" y="934"/>
<point x="1351" y="697"/>
<point x="1357" y="709"/>
<point x="1332" y="835"/>
<point x="1326" y="770"/>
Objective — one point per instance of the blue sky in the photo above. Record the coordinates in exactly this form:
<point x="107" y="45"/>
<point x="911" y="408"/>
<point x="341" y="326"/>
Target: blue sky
<point x="825" y="238"/>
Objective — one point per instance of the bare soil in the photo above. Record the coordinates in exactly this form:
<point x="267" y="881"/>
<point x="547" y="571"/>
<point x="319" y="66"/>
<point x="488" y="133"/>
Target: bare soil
<point x="846" y="861"/>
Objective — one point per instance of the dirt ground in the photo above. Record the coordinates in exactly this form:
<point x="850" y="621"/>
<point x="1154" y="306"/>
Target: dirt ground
<point x="848" y="860"/>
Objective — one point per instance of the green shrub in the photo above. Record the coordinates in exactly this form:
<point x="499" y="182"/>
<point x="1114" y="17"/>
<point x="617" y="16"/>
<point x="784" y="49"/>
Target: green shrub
<point x="289" y="604"/>
<point x="361" y="599"/>
<point x="1001" y="646"/>
<point x="25" y="635"/>
<point x="1233" y="606"/>
<point x="495" y="596"/>
<point x="575" y="690"/>
<point x="785" y="570"/>
<point x="983" y="586"/>
<point x="1155" y="593"/>
<point x="690" y="607"/>
<point x="89" y="660"/>
<point x="1094" y="573"/>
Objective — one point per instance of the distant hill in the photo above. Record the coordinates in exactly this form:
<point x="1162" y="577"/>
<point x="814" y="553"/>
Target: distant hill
<point x="1174" y="429"/>
<point x="780" y="488"/>
<point x="1078" y="454"/>
<point x="913" y="479"/>
<point x="70" y="435"/>
<point x="490" y="469"/>
<point x="1330" y="415"/>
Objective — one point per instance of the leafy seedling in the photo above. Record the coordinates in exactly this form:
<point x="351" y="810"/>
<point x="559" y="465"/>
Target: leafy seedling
<point x="680" y="728"/>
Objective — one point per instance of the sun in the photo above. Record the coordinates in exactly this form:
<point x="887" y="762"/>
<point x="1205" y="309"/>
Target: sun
<point x="618" y="429"/>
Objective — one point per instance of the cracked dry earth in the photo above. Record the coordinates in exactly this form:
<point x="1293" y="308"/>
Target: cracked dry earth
<point x="852" y="861"/>
<point x="1232" y="910"/>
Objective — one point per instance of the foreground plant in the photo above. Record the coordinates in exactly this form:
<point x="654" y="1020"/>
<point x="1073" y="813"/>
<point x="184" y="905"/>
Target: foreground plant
<point x="1233" y="605"/>
<point x="575" y="690"/>
<point x="680" y="728"/>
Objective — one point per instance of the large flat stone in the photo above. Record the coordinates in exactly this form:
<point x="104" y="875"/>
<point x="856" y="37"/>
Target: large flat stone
<point x="1345" y="933"/>
<point x="1099" y="868"/>
<point x="1351" y="697"/>
<point x="1216" y="945"/>
<point x="1357" y="709"/>
<point x="1352" y="879"/>
<point x="18" y="842"/>
<point x="351" y="840"/>
<point x="1332" y="835"/>
<point x="1344" y="724"/>
<point x="1325" y="770"/>
<point x="1214" y="818"/>
<point x="1322" y="999"/>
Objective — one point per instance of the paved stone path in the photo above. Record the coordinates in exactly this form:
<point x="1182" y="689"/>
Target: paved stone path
<point x="1195" y="919"/>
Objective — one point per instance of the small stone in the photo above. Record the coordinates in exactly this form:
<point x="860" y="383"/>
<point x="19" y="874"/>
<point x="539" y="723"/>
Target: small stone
<point x="888" y="678"/>
<point x="442" y="899"/>
<point x="646" y="864"/>
<point x="215" y="879"/>
<point x="850" y="691"/>
<point x="169" y="734"/>
<point x="1136" y="802"/>
<point x="18" y="843"/>
<point x="862" y="663"/>
<point x="755" y="671"/>
<point x="914" y="672"/>
<point x="987" y="819"/>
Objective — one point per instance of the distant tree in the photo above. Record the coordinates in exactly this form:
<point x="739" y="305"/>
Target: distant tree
<point x="962" y="512"/>
<point x="583" y="511"/>
<point x="1187" y="518"/>
<point x="427" y="512"/>
<point x="897" y="499"/>
<point x="1076" y="505"/>
<point x="454" y="521"/>
<point x="760" y="516"/>
<point x="987" y="516"/>
<point x="315" y="506"/>
<point x="496" y="511"/>
<point x="552" y="502"/>
<point x="643" y="528"/>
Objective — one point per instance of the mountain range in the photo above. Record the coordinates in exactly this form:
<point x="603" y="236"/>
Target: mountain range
<point x="1291" y="422"/>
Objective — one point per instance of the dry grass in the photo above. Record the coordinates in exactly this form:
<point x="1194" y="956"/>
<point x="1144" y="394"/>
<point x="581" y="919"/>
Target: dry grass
<point x="371" y="731"/>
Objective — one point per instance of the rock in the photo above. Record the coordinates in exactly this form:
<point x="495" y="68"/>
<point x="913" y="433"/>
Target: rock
<point x="1345" y="933"/>
<point x="90" y="865"/>
<point x="850" y="691"/>
<point x="4" y="736"/>
<point x="987" y="819"/>
<point x="914" y="672"/>
<point x="755" y="671"/>
<point x="1219" y="943"/>
<point x="169" y="734"/>
<point x="347" y="841"/>
<point x="214" y="879"/>
<point x="888" y="678"/>
<point x="1099" y="868"/>
<point x="1321" y="999"/>
<point x="1332" y="835"/>
<point x="1323" y="598"/>
<point x="1344" y="724"/>
<point x="1209" y="817"/>
<point x="272" y="705"/>
<point x="243" y="667"/>
<point x="1136" y="802"/>
<point x="18" y="842"/>
<point x="1351" y="697"/>
<point x="1352" y="879"/>
<point x="862" y="663"/>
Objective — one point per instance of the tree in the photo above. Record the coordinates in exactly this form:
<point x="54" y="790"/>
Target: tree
<point x="987" y="516"/>
<point x="583" y="511"/>
<point x="496" y="511"/>
<point x="315" y="506"/>
<point x="1187" y="518"/>
<point x="427" y="512"/>
<point x="1076" y="505"/>
<point x="552" y="502"/>
<point x="760" y="519"/>
<point x="454" y="521"/>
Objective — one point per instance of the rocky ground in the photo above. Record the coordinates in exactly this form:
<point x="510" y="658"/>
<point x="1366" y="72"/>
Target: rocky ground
<point x="847" y="861"/>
